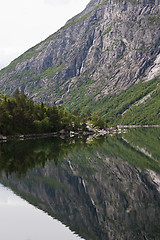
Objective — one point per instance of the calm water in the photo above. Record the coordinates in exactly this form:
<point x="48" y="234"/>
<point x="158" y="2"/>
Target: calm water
<point x="21" y="221"/>
<point x="75" y="188"/>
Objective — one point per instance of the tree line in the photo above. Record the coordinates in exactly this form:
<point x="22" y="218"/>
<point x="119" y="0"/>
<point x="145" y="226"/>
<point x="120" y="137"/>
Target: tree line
<point x="18" y="115"/>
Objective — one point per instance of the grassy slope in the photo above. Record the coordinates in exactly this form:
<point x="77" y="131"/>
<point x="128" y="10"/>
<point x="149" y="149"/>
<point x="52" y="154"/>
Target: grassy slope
<point x="113" y="107"/>
<point x="145" y="113"/>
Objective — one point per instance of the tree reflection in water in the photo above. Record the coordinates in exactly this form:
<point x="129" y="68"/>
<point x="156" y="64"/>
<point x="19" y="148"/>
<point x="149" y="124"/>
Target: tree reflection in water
<point x="101" y="190"/>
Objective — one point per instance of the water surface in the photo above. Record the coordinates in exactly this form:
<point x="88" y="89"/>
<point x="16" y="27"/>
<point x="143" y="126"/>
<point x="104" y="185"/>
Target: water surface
<point x="108" y="188"/>
<point x="20" y="220"/>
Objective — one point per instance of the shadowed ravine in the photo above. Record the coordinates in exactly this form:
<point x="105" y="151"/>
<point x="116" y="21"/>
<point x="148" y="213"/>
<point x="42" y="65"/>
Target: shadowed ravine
<point x="106" y="189"/>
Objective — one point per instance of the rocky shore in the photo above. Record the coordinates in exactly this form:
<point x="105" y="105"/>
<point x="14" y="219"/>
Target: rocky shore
<point x="63" y="133"/>
<point x="91" y="130"/>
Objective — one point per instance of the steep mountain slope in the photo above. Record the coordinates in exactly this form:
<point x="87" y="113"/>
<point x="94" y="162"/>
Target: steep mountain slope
<point x="104" y="50"/>
<point x="138" y="104"/>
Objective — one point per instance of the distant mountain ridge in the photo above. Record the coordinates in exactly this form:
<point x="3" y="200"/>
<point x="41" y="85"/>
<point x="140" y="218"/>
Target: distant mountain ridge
<point x="104" y="50"/>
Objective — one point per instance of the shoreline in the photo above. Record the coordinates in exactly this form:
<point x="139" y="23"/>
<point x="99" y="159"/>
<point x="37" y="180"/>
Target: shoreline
<point x="97" y="132"/>
<point x="137" y="126"/>
<point x="62" y="133"/>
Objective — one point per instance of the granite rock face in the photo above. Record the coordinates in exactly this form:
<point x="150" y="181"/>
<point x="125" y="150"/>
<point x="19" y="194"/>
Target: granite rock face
<point x="105" y="49"/>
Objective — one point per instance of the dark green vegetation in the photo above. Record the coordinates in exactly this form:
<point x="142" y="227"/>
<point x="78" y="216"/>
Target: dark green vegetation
<point x="20" y="156"/>
<point x="126" y="107"/>
<point x="147" y="112"/>
<point x="21" y="116"/>
<point x="139" y="104"/>
<point x="138" y="147"/>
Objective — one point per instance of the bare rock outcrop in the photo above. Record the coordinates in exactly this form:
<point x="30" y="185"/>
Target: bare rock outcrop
<point x="105" y="49"/>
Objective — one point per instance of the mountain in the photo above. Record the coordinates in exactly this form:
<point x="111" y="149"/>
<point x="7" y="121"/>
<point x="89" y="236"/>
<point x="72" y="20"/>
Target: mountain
<point x="98" y="55"/>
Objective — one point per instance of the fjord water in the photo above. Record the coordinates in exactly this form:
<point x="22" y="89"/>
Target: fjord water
<point x="108" y="188"/>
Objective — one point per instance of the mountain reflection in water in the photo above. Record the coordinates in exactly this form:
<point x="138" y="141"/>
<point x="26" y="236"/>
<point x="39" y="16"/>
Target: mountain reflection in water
<point x="105" y="189"/>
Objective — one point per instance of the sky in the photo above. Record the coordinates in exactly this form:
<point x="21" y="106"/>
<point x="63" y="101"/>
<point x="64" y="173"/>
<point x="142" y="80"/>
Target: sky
<point x="22" y="221"/>
<point x="24" y="23"/>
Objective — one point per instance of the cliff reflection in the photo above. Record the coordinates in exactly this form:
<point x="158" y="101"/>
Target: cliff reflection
<point x="102" y="190"/>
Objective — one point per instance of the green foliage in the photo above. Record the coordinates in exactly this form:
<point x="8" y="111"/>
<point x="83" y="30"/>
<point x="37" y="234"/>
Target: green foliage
<point x="98" y="121"/>
<point x="5" y="121"/>
<point x="27" y="55"/>
<point x="120" y="108"/>
<point x="51" y="71"/>
<point x="35" y="153"/>
<point x="106" y="31"/>
<point x="21" y="116"/>
<point x="145" y="113"/>
<point x="154" y="19"/>
<point x="115" y="106"/>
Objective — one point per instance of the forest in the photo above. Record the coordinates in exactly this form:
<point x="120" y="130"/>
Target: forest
<point x="19" y="115"/>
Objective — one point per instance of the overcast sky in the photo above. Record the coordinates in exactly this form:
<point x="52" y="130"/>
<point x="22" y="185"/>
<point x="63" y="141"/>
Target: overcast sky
<point x="24" y="23"/>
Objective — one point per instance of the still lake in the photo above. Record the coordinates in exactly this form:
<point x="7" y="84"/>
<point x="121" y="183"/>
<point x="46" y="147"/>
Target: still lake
<point x="81" y="188"/>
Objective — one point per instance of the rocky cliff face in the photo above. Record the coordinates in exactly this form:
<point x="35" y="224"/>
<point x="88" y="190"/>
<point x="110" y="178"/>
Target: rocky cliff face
<point x="105" y="49"/>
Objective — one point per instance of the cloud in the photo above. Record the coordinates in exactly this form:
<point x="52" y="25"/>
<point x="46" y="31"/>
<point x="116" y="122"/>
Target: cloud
<point x="8" y="54"/>
<point x="25" y="23"/>
<point x="57" y="3"/>
<point x="3" y="59"/>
